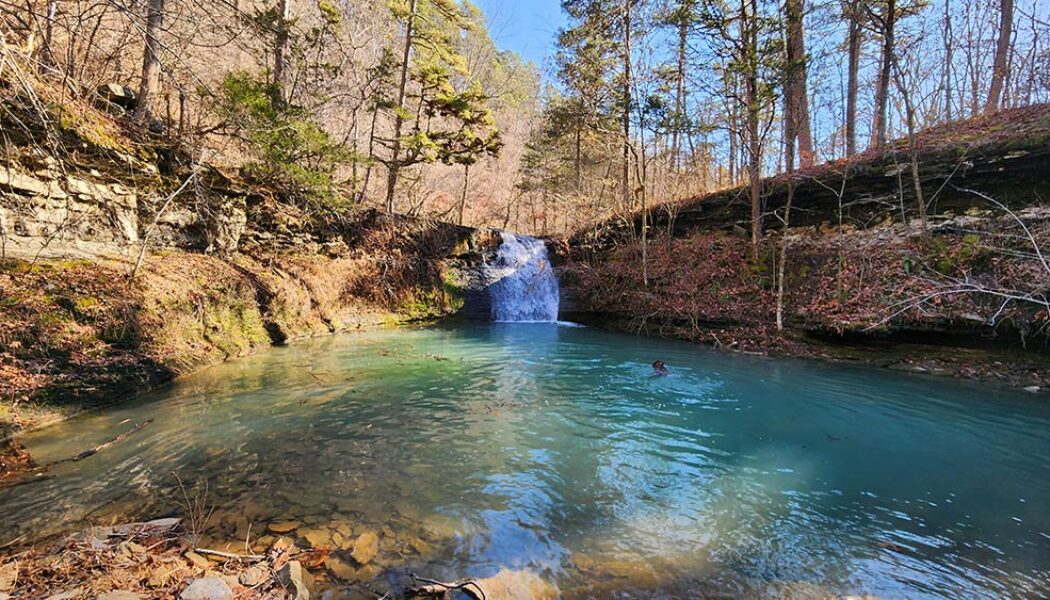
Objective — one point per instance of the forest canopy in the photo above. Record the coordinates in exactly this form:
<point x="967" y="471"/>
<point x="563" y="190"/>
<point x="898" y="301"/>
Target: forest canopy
<point x="410" y="105"/>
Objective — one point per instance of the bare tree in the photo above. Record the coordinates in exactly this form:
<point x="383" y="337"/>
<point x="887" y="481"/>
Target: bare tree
<point x="796" y="92"/>
<point x="280" y="50"/>
<point x="854" y="42"/>
<point x="394" y="166"/>
<point x="150" y="61"/>
<point x="1001" y="68"/>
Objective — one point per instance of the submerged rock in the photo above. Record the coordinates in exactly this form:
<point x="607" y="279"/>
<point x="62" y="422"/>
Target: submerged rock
<point x="317" y="538"/>
<point x="340" y="569"/>
<point x="365" y="548"/>
<point x="283" y="527"/>
<point x="207" y="588"/>
<point x="517" y="585"/>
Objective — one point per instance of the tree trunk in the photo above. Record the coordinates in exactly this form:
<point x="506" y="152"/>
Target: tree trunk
<point x="394" y="166"/>
<point x="949" y="53"/>
<point x="754" y="144"/>
<point x="577" y="159"/>
<point x="854" y="70"/>
<point x="782" y="263"/>
<point x="913" y="146"/>
<point x="150" y="61"/>
<point x="625" y="176"/>
<point x="280" y="51"/>
<point x="798" y="103"/>
<point x="47" y="55"/>
<point x="679" y="96"/>
<point x="882" y="93"/>
<point x="463" y="196"/>
<point x="1001" y="68"/>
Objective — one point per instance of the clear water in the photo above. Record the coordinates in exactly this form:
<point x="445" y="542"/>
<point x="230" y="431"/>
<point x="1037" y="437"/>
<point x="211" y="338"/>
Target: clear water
<point x="554" y="449"/>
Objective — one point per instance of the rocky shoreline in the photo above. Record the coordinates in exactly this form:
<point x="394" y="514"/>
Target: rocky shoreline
<point x="162" y="558"/>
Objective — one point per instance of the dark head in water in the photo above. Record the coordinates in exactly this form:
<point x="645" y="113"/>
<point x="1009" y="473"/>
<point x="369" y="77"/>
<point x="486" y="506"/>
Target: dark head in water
<point x="660" y="368"/>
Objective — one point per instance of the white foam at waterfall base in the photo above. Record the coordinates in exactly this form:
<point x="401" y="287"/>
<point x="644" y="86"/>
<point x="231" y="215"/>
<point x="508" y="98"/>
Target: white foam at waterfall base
<point x="524" y="288"/>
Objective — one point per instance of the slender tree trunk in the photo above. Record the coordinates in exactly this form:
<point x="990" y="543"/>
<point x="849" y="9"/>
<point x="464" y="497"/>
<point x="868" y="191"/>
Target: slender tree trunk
<point x="754" y="145"/>
<point x="371" y="158"/>
<point x="625" y="176"/>
<point x="798" y="105"/>
<point x="280" y="51"/>
<point x="913" y="146"/>
<point x="882" y="93"/>
<point x="1001" y="68"/>
<point x="854" y="72"/>
<point x="47" y="55"/>
<point x="782" y="262"/>
<point x="949" y="56"/>
<point x="394" y="167"/>
<point x="463" y="196"/>
<point x="577" y="159"/>
<point x="679" y="96"/>
<point x="734" y="125"/>
<point x="150" y="61"/>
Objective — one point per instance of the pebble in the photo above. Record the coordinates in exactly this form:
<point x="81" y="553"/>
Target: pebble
<point x="208" y="588"/>
<point x="284" y="527"/>
<point x="253" y="576"/>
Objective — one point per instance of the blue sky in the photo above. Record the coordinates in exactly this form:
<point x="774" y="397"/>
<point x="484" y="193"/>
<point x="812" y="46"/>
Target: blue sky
<point x="528" y="27"/>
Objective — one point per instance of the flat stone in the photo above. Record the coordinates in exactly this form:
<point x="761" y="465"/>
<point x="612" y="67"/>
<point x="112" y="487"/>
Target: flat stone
<point x="340" y="569"/>
<point x="317" y="538"/>
<point x="342" y="527"/>
<point x="1033" y="389"/>
<point x="22" y="183"/>
<point x="253" y="576"/>
<point x="365" y="548"/>
<point x="296" y="580"/>
<point x="517" y="585"/>
<point x="207" y="588"/>
<point x="284" y="526"/>
<point x="119" y="595"/>
<point x="369" y="572"/>
<point x="197" y="560"/>
<point x="419" y="546"/>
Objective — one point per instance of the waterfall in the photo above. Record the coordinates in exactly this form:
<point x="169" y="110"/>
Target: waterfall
<point x="524" y="287"/>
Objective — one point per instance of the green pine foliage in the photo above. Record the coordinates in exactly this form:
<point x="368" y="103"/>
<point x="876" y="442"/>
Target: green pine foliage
<point x="290" y="150"/>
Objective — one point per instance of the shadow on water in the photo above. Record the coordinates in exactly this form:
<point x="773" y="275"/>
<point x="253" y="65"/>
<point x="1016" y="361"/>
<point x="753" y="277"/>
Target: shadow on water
<point x="553" y="449"/>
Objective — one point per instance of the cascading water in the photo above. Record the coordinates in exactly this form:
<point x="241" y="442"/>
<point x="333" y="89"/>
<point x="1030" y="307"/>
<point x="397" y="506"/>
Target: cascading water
<point x="524" y="286"/>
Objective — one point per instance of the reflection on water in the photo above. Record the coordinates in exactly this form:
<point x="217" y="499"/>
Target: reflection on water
<point x="553" y="449"/>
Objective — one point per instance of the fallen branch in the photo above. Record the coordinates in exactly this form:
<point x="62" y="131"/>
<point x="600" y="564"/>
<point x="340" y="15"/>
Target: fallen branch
<point x="39" y="471"/>
<point x="229" y="555"/>
<point x="440" y="588"/>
